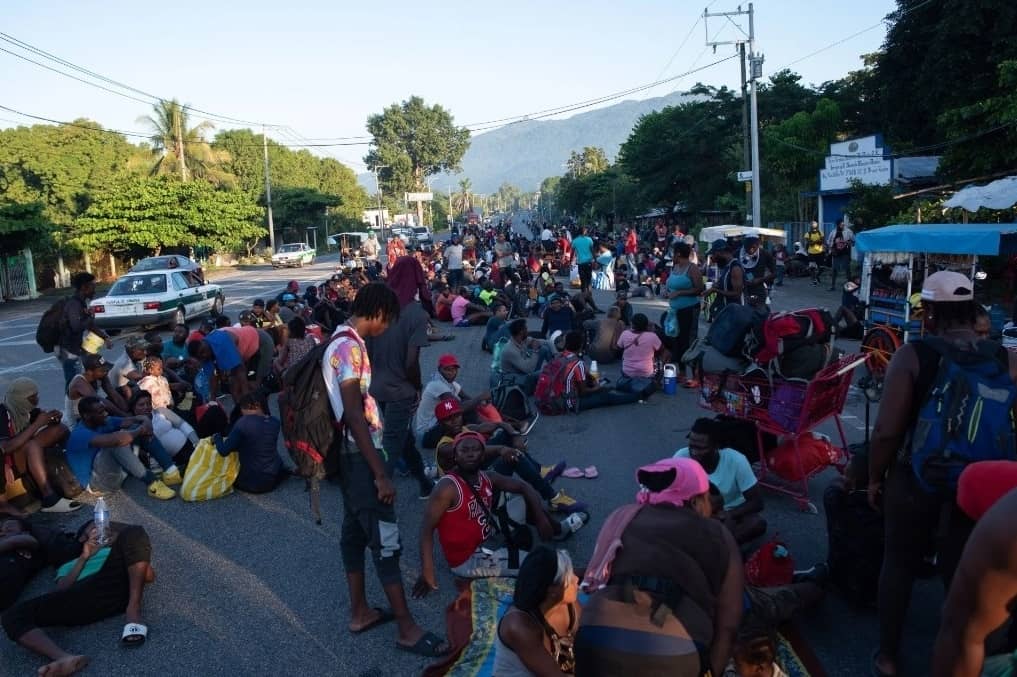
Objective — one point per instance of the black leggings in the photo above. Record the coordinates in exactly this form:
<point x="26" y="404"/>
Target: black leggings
<point x="914" y="520"/>
<point x="686" y="316"/>
<point x="101" y="595"/>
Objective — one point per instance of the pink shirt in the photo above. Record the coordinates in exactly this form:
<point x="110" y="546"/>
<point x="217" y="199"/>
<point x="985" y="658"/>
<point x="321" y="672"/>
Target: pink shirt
<point x="638" y="351"/>
<point x="459" y="309"/>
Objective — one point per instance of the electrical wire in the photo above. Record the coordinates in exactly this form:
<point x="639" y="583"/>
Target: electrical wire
<point x="149" y="135"/>
<point x="850" y="37"/>
<point x="914" y="152"/>
<point x="98" y="76"/>
<point x="593" y="102"/>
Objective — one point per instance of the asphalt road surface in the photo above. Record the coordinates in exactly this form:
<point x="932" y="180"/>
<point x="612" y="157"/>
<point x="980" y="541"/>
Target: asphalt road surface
<point x="249" y="585"/>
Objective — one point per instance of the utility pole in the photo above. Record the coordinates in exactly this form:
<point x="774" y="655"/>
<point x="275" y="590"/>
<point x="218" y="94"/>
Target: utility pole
<point x="381" y="214"/>
<point x="268" y="192"/>
<point x="180" y="143"/>
<point x="755" y="63"/>
<point x="746" y="135"/>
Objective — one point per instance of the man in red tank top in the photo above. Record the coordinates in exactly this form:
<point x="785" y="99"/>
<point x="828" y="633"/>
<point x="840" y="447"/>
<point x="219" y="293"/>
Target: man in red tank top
<point x="460" y="509"/>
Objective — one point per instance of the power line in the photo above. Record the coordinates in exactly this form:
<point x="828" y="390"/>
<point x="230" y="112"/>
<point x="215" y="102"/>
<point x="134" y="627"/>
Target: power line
<point x="98" y="76"/>
<point x="149" y="135"/>
<point x="850" y="37"/>
<point x="914" y="152"/>
<point x="475" y="127"/>
<point x="593" y="102"/>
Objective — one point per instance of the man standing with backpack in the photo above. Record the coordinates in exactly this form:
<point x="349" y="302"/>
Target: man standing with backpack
<point x="369" y="519"/>
<point x="948" y="401"/>
<point x="77" y="318"/>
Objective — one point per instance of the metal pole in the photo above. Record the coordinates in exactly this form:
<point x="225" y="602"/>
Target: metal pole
<point x="756" y="212"/>
<point x="268" y="193"/>
<point x="381" y="214"/>
<point x="757" y="216"/>
<point x="746" y="135"/>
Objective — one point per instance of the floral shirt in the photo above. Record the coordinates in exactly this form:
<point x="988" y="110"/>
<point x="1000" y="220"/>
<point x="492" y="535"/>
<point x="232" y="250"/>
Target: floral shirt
<point x="346" y="359"/>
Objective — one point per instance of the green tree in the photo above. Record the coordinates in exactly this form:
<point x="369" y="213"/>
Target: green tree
<point x="296" y="210"/>
<point x="22" y="225"/>
<point x="940" y="56"/>
<point x="793" y="152"/>
<point x="875" y="206"/>
<point x="462" y="202"/>
<point x="975" y="153"/>
<point x="439" y="211"/>
<point x="181" y="149"/>
<point x="291" y="169"/>
<point x="687" y="153"/>
<point x="412" y="141"/>
<point x="783" y="96"/>
<point x="548" y="192"/>
<point x="145" y="215"/>
<point x="58" y="166"/>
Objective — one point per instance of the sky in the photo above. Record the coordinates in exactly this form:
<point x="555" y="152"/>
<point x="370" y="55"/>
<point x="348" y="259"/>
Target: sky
<point x="321" y="68"/>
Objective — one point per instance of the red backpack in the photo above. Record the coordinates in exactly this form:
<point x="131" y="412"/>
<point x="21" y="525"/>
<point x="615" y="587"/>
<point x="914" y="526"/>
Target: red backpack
<point x="784" y="332"/>
<point x="550" y="391"/>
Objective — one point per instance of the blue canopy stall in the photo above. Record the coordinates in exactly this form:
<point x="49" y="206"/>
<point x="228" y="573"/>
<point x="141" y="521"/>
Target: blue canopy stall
<point x="898" y="258"/>
<point x="956" y="238"/>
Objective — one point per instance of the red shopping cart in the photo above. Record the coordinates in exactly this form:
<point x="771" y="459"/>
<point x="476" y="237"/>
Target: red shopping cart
<point x="787" y="408"/>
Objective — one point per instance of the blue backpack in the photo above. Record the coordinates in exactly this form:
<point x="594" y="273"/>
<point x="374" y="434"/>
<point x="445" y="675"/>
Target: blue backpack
<point x="966" y="417"/>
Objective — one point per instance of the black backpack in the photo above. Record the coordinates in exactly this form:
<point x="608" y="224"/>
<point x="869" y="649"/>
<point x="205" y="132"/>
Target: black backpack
<point x="510" y="400"/>
<point x="51" y="325"/>
<point x="309" y="424"/>
<point x="855" y="545"/>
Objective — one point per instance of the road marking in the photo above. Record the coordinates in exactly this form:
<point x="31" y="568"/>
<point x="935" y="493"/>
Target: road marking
<point x="10" y="338"/>
<point x="22" y="367"/>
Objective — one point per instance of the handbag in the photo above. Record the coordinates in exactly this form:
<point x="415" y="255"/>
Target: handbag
<point x="671" y="328"/>
<point x="209" y="474"/>
<point x="518" y="537"/>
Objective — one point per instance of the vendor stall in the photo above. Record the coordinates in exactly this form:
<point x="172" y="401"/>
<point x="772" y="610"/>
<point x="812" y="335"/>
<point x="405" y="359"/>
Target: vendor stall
<point x="898" y="258"/>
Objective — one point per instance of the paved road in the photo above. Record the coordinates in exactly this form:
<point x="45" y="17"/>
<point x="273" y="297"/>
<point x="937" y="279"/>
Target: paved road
<point x="249" y="585"/>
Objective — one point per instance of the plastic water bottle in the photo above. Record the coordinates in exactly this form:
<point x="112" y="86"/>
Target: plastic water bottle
<point x="101" y="517"/>
<point x="594" y="371"/>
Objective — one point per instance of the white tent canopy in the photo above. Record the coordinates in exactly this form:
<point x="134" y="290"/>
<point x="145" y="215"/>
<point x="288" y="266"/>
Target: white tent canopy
<point x="1000" y="194"/>
<point x="711" y="233"/>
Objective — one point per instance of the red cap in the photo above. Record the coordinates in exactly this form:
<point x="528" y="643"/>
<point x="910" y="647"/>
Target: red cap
<point x="294" y="285"/>
<point x="447" y="408"/>
<point x="982" y="484"/>
<point x="448" y="360"/>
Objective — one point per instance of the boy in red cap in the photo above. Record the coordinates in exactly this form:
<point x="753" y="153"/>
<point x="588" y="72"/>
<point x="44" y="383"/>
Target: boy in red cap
<point x="511" y="459"/>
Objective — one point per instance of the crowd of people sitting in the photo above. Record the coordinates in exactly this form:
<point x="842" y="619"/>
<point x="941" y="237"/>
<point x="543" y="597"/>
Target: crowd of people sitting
<point x="668" y="589"/>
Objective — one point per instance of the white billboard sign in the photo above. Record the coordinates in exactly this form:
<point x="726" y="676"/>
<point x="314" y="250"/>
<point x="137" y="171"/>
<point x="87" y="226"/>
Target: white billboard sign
<point x="863" y="160"/>
<point x="419" y="197"/>
<point x="745" y="176"/>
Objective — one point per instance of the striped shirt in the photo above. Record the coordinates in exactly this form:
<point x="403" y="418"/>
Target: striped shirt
<point x="575" y="374"/>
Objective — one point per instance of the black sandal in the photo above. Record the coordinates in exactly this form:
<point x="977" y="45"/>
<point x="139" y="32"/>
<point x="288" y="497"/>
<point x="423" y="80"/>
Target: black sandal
<point x="427" y="646"/>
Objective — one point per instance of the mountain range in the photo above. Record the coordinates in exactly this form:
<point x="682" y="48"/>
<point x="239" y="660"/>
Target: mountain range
<point x="525" y="153"/>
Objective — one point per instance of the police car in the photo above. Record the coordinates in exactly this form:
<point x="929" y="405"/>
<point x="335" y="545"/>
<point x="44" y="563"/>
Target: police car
<point x="155" y="297"/>
<point x="294" y="254"/>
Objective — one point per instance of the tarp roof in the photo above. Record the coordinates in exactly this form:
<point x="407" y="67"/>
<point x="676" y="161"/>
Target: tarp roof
<point x="711" y="233"/>
<point x="941" y="238"/>
<point x="1000" y="194"/>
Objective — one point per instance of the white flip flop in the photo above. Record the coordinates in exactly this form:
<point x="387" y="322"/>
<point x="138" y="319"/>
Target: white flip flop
<point x="134" y="634"/>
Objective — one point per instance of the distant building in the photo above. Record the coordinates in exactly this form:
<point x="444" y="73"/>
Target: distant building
<point x="869" y="161"/>
<point x="370" y="217"/>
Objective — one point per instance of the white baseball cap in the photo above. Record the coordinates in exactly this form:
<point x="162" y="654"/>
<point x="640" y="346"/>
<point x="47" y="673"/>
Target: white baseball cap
<point x="946" y="286"/>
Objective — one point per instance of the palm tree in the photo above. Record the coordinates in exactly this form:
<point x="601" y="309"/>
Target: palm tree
<point x="181" y="149"/>
<point x="462" y="201"/>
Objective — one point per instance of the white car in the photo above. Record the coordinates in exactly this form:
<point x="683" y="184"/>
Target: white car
<point x="155" y="297"/>
<point x="295" y="254"/>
